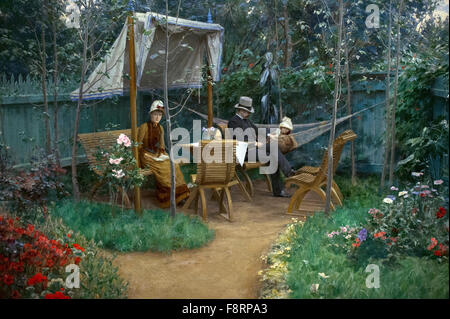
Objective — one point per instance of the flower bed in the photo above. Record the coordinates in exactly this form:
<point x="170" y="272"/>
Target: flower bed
<point x="405" y="238"/>
<point x="33" y="263"/>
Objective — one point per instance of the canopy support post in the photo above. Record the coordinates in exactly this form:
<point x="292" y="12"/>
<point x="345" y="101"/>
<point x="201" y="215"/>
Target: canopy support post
<point x="133" y="116"/>
<point x="210" y="98"/>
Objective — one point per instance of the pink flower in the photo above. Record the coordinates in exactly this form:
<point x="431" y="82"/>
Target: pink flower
<point x="118" y="173"/>
<point x="115" y="161"/>
<point x="123" y="139"/>
<point x="438" y="182"/>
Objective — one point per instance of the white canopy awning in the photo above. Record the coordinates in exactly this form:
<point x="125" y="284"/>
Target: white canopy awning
<point x="189" y="40"/>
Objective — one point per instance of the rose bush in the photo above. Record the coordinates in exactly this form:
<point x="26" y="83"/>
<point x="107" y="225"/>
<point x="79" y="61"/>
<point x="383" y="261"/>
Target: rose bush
<point x="118" y="167"/>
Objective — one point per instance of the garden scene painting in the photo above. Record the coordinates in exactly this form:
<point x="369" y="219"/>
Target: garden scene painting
<point x="231" y="149"/>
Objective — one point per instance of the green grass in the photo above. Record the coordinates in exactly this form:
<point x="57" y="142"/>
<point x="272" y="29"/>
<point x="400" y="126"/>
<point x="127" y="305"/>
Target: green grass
<point x="126" y="231"/>
<point x="411" y="277"/>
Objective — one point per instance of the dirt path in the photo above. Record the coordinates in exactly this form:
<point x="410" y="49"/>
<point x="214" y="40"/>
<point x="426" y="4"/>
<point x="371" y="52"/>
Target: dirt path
<point x="226" y="268"/>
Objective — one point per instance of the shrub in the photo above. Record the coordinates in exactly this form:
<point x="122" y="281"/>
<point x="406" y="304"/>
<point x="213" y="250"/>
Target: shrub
<point x="124" y="230"/>
<point x="29" y="191"/>
<point x="32" y="263"/>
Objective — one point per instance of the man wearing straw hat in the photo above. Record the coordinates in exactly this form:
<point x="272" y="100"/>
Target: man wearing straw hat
<point x="240" y="120"/>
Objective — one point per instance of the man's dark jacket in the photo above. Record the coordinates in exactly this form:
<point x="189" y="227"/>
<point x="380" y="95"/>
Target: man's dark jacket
<point x="237" y="122"/>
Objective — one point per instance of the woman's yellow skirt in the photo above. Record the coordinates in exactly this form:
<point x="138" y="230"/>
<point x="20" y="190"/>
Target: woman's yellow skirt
<point x="161" y="170"/>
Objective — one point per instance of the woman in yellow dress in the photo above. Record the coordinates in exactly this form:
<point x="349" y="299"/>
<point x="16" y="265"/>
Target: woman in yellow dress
<point x="152" y="154"/>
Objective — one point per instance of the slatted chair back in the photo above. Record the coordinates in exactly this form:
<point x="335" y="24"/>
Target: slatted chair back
<point x="339" y="144"/>
<point x="221" y="169"/>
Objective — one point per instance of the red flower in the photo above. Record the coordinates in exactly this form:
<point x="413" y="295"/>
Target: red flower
<point x="251" y="65"/>
<point x="225" y="69"/>
<point x="357" y="243"/>
<point x="433" y="244"/>
<point x="403" y="67"/>
<point x="68" y="235"/>
<point x="38" y="278"/>
<point x="441" y="212"/>
<point x="8" y="279"/>
<point x="77" y="260"/>
<point x="15" y="294"/>
<point x="422" y="194"/>
<point x="78" y="247"/>
<point x="331" y="65"/>
<point x="380" y="235"/>
<point x="57" y="295"/>
<point x="438" y="253"/>
<point x="414" y="211"/>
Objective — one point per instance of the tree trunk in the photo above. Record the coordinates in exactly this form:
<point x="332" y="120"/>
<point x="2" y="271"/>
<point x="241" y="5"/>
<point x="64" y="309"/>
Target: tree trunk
<point x="388" y="88"/>
<point x="76" y="189"/>
<point x="44" y="82"/>
<point x="394" y="102"/>
<point x="280" y="113"/>
<point x="337" y="74"/>
<point x="55" y="96"/>
<point x="173" y="206"/>
<point x="288" y="45"/>
<point x="349" y="111"/>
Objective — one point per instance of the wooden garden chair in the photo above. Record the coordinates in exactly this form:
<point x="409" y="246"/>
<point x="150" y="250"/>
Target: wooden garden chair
<point x="307" y="182"/>
<point x="345" y="136"/>
<point x="91" y="142"/>
<point x="218" y="176"/>
<point x="244" y="171"/>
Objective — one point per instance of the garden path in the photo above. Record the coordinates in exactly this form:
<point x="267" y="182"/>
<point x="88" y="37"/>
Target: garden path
<point x="226" y="268"/>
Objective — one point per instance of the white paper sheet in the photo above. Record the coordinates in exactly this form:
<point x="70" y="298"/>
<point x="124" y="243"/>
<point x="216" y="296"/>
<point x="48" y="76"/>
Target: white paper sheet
<point x="241" y="150"/>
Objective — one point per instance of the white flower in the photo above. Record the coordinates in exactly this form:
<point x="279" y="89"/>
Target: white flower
<point x="348" y="237"/>
<point x="393" y="188"/>
<point x="416" y="174"/>
<point x="387" y="200"/>
<point x="400" y="194"/>
<point x="118" y="173"/>
<point x="321" y="274"/>
<point x="314" y="288"/>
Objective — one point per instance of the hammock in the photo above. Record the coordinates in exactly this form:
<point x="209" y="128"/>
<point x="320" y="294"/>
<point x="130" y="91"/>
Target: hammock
<point x="307" y="132"/>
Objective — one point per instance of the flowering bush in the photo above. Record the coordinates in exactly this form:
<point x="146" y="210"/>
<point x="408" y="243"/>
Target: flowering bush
<point x="119" y="166"/>
<point x="409" y="222"/>
<point x="30" y="261"/>
<point x="33" y="265"/>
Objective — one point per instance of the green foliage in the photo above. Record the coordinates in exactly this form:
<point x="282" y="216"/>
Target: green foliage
<point x="419" y="139"/>
<point x="123" y="230"/>
<point x="309" y="257"/>
<point x="28" y="191"/>
<point x="424" y="150"/>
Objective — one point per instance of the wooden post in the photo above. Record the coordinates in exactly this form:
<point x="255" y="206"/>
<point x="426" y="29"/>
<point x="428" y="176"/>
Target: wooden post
<point x="133" y="117"/>
<point x="210" y="99"/>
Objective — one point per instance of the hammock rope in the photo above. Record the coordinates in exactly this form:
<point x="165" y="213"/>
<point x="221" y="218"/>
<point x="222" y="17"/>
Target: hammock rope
<point x="308" y="131"/>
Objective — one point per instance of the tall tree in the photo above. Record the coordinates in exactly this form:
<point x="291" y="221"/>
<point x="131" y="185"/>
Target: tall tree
<point x="387" y="103"/>
<point x="394" y="101"/>
<point x="337" y="75"/>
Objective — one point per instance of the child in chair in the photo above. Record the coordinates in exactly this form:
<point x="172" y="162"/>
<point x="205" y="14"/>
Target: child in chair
<point x="286" y="141"/>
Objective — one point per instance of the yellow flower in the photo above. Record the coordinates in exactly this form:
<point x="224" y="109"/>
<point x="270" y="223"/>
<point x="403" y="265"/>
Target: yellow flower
<point x="321" y="274"/>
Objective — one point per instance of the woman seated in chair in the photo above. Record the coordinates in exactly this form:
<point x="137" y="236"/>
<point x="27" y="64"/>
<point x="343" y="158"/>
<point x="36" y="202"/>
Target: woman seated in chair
<point x="152" y="154"/>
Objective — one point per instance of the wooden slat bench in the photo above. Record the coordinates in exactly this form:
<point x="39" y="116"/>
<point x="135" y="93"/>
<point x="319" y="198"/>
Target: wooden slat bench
<point x="91" y="142"/>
